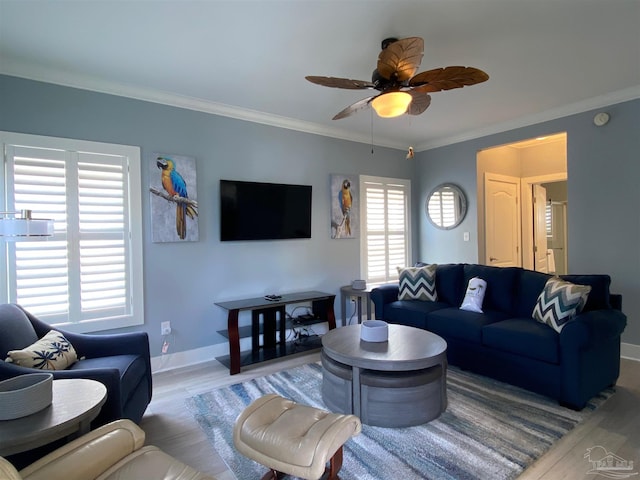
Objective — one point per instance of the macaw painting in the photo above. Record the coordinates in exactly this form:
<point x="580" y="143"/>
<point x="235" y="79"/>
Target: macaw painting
<point x="174" y="205"/>
<point x="345" y="210"/>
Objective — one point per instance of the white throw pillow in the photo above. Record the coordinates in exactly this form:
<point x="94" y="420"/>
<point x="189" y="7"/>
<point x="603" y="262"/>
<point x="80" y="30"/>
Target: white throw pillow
<point x="475" y="295"/>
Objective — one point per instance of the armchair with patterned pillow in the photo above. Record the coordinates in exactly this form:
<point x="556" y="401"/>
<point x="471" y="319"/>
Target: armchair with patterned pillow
<point x="120" y="361"/>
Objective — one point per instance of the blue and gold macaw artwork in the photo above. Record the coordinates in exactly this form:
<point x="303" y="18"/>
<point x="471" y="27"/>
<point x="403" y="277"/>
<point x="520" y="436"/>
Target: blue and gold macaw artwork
<point x="346" y="200"/>
<point x="175" y="186"/>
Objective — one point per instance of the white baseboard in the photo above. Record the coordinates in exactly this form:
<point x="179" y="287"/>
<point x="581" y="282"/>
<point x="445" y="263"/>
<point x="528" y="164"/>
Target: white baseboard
<point x="630" y="351"/>
<point x="171" y="361"/>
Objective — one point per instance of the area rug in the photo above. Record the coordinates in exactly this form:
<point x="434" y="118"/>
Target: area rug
<point x="489" y="430"/>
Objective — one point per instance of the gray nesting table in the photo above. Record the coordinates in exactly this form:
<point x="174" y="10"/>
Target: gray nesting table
<point x="398" y="383"/>
<point x="76" y="402"/>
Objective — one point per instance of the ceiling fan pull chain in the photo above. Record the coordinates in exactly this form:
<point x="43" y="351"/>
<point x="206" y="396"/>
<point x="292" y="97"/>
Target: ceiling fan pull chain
<point x="371" y="132"/>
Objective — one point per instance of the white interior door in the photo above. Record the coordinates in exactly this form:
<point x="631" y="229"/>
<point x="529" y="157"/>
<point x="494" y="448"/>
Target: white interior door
<point x="502" y="220"/>
<point x="541" y="261"/>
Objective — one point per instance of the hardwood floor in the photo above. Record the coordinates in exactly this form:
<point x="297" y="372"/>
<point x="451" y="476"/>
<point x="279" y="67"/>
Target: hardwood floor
<point x="170" y="426"/>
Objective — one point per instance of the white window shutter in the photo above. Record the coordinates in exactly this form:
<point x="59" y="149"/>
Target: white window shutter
<point x="386" y="232"/>
<point x="89" y="275"/>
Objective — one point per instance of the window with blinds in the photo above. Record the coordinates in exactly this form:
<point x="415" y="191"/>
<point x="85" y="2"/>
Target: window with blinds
<point x="386" y="230"/>
<point x="87" y="277"/>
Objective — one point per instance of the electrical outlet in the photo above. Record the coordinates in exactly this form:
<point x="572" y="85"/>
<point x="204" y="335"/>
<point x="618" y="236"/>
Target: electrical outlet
<point x="165" y="328"/>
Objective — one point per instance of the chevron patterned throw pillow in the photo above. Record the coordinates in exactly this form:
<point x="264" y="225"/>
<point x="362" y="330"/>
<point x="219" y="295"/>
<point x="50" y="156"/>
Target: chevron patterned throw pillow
<point x="418" y="283"/>
<point x="559" y="302"/>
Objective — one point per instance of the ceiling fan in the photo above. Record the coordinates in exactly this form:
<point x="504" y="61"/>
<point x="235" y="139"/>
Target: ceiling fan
<point x="402" y="90"/>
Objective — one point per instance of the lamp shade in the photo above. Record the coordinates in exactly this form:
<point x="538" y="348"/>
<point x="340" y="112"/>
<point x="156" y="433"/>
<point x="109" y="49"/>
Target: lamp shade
<point x="24" y="228"/>
<point x="391" y="104"/>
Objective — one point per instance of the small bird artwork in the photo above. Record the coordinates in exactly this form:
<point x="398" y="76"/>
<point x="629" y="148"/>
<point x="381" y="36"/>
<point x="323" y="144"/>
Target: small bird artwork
<point x="175" y="186"/>
<point x="345" y="200"/>
<point x="410" y="153"/>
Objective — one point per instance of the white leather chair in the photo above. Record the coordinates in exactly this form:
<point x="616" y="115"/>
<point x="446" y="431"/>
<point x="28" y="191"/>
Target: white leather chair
<point x="112" y="452"/>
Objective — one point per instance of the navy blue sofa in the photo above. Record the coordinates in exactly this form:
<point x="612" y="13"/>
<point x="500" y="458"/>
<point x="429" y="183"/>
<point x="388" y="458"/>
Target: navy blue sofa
<point x="506" y="343"/>
<point x="120" y="361"/>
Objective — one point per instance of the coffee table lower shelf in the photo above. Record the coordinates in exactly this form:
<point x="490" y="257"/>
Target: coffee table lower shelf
<point x="249" y="357"/>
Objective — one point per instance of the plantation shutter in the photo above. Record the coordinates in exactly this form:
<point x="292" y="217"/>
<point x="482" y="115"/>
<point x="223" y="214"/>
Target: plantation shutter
<point x="442" y="208"/>
<point x="386" y="230"/>
<point x="83" y="275"/>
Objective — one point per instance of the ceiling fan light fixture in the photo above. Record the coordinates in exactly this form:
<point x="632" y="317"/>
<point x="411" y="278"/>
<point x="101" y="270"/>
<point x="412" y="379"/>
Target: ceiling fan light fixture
<point x="391" y="104"/>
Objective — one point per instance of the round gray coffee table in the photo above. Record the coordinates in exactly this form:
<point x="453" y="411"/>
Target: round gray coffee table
<point x="76" y="402"/>
<point x="398" y="383"/>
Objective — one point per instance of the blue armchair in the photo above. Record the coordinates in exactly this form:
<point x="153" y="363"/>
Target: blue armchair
<point x="120" y="361"/>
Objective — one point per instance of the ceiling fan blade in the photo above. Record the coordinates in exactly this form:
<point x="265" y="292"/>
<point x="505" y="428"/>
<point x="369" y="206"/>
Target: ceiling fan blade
<point x="335" y="82"/>
<point x="401" y="59"/>
<point x="353" y="108"/>
<point x="420" y="101"/>
<point x="447" y="78"/>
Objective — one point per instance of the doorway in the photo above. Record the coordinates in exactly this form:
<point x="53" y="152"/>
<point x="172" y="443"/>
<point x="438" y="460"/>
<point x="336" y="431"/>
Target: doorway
<point x="522" y="205"/>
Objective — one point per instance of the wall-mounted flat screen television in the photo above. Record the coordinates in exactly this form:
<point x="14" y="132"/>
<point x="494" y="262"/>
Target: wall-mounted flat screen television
<point x="264" y="211"/>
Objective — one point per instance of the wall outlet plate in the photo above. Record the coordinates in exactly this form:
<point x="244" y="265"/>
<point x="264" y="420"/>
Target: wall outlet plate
<point x="165" y="328"/>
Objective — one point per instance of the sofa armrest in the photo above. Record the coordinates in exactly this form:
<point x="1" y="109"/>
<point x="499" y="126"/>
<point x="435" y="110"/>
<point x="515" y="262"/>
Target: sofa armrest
<point x="89" y="455"/>
<point x="592" y="327"/>
<point x="382" y="295"/>
<point x="615" y="299"/>
<point x="94" y="345"/>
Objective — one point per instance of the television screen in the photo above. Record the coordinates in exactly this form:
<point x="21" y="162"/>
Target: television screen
<point x="264" y="211"/>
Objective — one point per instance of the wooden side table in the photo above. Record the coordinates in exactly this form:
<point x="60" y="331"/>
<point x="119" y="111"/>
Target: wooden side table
<point x="76" y="402"/>
<point x="348" y="291"/>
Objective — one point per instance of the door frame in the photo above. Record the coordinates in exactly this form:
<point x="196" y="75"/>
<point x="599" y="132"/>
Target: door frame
<point x="526" y="213"/>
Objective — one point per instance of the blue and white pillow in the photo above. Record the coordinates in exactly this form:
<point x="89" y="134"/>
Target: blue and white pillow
<point x="418" y="283"/>
<point x="51" y="352"/>
<point x="474" y="295"/>
<point x="559" y="302"/>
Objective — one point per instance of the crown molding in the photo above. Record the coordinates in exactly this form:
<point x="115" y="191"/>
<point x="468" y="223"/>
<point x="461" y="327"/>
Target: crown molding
<point x="15" y="68"/>
<point x="601" y="101"/>
<point x="84" y="82"/>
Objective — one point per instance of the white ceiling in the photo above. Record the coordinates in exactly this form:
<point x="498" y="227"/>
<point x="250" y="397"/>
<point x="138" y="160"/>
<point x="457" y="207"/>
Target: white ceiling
<point x="248" y="59"/>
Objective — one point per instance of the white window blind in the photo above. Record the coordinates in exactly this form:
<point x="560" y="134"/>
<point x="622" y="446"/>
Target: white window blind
<point x="89" y="275"/>
<point x="386" y="238"/>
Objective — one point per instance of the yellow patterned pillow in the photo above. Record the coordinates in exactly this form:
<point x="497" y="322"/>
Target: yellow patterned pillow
<point x="51" y="352"/>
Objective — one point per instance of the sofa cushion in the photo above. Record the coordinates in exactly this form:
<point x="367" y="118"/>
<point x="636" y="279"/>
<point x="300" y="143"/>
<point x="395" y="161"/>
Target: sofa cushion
<point x="523" y="337"/>
<point x="559" y="302"/>
<point x="456" y="323"/>
<point x="530" y="285"/>
<point x="51" y="352"/>
<point x="411" y="312"/>
<point x="17" y="331"/>
<point x="418" y="283"/>
<point x="132" y="369"/>
<point x="450" y="283"/>
<point x="599" y="295"/>
<point x="501" y="285"/>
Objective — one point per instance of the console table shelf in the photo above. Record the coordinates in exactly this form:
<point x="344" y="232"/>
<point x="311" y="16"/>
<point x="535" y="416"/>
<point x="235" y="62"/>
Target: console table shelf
<point x="267" y="318"/>
<point x="312" y="342"/>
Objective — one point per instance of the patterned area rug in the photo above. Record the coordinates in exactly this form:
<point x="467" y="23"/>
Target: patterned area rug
<point x="490" y="429"/>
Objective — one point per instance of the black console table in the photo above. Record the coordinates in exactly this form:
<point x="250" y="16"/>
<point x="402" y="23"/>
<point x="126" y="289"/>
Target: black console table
<point x="269" y="317"/>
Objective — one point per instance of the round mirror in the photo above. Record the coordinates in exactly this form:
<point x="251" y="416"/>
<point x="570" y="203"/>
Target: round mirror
<point x="446" y="206"/>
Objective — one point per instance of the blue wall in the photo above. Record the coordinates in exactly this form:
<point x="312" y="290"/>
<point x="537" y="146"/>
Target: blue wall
<point x="603" y="166"/>
<point x="183" y="280"/>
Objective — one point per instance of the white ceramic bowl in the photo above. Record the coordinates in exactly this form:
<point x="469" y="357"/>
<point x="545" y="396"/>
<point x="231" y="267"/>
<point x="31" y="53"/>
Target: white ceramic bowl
<point x="25" y="394"/>
<point x="374" y="331"/>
